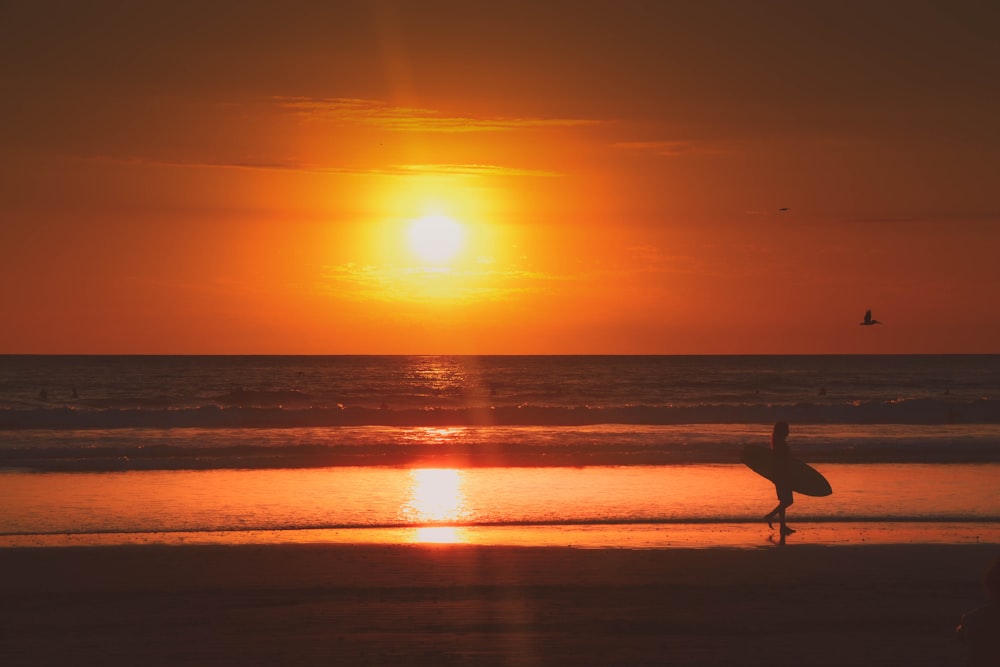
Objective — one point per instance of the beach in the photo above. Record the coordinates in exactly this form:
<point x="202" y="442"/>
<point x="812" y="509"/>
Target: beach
<point x="437" y="604"/>
<point x="536" y="333"/>
<point x="439" y="511"/>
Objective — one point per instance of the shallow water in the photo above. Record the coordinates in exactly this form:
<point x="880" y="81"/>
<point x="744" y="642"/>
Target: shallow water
<point x="122" y="448"/>
<point x="391" y="498"/>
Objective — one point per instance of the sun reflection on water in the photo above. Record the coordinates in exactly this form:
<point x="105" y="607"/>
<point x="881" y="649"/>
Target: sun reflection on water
<point x="436" y="496"/>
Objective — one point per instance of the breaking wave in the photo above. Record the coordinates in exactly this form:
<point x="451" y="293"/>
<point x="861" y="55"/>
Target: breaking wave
<point x="900" y="411"/>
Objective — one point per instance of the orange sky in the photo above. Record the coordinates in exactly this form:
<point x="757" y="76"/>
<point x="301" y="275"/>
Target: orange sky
<point x="231" y="177"/>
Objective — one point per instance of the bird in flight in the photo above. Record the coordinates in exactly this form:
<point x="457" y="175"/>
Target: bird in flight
<point x="868" y="319"/>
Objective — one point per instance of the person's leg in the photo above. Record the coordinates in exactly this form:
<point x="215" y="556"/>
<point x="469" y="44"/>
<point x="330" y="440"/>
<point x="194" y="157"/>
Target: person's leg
<point x="769" y="517"/>
<point x="785" y="530"/>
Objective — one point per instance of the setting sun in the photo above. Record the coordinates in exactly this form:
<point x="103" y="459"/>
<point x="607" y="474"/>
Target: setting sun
<point x="435" y="238"/>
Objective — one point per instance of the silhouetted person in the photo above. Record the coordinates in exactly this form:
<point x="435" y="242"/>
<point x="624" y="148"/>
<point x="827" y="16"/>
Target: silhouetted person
<point x="782" y="477"/>
<point x="979" y="628"/>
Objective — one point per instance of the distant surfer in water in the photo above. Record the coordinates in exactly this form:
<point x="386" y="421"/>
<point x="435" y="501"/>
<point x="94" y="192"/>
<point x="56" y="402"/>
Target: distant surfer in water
<point x="782" y="477"/>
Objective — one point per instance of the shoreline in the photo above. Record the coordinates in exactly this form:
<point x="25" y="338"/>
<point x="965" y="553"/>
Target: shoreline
<point x="354" y="604"/>
<point x="705" y="535"/>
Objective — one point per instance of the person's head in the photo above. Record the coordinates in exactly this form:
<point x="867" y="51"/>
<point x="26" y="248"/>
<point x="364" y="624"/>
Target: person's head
<point x="780" y="432"/>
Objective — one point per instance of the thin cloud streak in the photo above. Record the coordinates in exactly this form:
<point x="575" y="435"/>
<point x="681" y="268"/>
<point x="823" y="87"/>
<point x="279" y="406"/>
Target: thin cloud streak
<point x="265" y="165"/>
<point x="677" y="147"/>
<point x="471" y="170"/>
<point x="375" y="283"/>
<point x="967" y="217"/>
<point x="292" y="165"/>
<point x="411" y="119"/>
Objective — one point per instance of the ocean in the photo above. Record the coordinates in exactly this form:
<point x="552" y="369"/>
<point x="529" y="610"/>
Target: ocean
<point x="245" y="448"/>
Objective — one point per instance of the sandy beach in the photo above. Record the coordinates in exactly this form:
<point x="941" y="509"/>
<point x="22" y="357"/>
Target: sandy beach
<point x="316" y="604"/>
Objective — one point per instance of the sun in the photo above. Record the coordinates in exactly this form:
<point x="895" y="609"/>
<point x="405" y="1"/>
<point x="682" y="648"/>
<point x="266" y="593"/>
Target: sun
<point x="435" y="238"/>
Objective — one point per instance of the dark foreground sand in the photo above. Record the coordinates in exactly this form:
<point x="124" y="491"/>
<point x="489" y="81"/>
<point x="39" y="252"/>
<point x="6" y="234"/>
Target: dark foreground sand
<point x="446" y="605"/>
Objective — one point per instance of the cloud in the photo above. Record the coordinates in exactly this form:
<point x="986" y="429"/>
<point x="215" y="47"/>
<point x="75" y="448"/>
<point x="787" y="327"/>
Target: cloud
<point x="472" y="170"/>
<point x="413" y="119"/>
<point x="677" y="148"/>
<point x="653" y="259"/>
<point x="415" y="284"/>
<point x="352" y="111"/>
<point x="880" y="220"/>
<point x="294" y="165"/>
<point x="970" y="217"/>
<point x="268" y="165"/>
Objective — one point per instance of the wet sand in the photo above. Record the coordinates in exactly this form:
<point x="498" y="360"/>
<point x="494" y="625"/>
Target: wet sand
<point x="315" y="604"/>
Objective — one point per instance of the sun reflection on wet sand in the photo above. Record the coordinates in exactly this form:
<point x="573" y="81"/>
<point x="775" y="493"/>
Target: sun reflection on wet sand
<point x="440" y="535"/>
<point x="623" y="536"/>
<point x="436" y="496"/>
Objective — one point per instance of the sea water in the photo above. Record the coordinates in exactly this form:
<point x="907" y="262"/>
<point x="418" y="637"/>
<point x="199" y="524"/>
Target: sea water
<point x="334" y="448"/>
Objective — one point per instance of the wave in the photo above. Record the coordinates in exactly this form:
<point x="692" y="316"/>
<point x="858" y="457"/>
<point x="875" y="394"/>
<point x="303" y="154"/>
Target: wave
<point x="152" y="415"/>
<point x="475" y="454"/>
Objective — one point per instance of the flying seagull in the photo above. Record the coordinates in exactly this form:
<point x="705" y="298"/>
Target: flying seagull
<point x="868" y="319"/>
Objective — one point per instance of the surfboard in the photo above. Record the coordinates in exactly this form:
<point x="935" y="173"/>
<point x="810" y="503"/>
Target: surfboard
<point x="805" y="479"/>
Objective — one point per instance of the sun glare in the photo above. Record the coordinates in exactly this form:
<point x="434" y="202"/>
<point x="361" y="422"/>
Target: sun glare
<point x="435" y="238"/>
<point x="436" y="494"/>
<point x="439" y="535"/>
